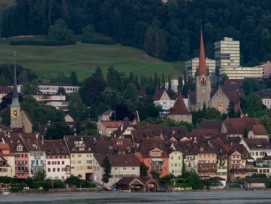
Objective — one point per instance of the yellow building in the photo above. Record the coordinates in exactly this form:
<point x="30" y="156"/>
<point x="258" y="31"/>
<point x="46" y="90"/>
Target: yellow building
<point x="175" y="159"/>
<point x="81" y="154"/>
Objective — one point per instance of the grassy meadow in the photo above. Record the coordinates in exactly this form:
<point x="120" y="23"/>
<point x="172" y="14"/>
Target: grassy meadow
<point x="48" y="61"/>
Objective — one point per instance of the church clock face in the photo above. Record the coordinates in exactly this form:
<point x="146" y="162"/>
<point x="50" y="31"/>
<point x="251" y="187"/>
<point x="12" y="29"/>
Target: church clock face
<point x="15" y="113"/>
<point x="220" y="106"/>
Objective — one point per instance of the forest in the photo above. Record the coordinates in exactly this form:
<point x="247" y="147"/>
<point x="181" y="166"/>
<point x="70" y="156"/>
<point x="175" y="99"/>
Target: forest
<point x="166" y="31"/>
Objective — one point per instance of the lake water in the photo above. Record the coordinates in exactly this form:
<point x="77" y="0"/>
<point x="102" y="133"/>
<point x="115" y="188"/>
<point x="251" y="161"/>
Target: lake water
<point x="212" y="197"/>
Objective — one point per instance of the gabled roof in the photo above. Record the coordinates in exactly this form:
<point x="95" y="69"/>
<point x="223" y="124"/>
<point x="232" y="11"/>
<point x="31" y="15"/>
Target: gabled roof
<point x="13" y="140"/>
<point x="116" y="160"/>
<point x="32" y="142"/>
<point x="158" y="94"/>
<point x="80" y="143"/>
<point x="55" y="147"/>
<point x="112" y="124"/>
<point x="179" y="108"/>
<point x="211" y="124"/>
<point x="239" y="125"/>
<point x="259" y="130"/>
<point x="257" y="143"/>
<point x="148" y="144"/>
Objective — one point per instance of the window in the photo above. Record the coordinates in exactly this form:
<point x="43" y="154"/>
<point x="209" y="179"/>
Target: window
<point x="54" y="169"/>
<point x="19" y="148"/>
<point x="89" y="161"/>
<point x="79" y="155"/>
<point x="63" y="162"/>
<point x="49" y="169"/>
<point x="48" y="162"/>
<point x="58" y="169"/>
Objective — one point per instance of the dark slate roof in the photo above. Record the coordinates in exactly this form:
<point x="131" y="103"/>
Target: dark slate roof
<point x="13" y="140"/>
<point x="80" y="143"/>
<point x="148" y="144"/>
<point x="128" y="160"/>
<point x="55" y="147"/>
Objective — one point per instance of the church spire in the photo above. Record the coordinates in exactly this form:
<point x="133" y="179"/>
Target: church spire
<point x="202" y="60"/>
<point x="15" y="97"/>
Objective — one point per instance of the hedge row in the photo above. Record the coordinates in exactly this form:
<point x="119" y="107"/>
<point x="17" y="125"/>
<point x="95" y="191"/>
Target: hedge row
<point x="42" y="42"/>
<point x="99" y="41"/>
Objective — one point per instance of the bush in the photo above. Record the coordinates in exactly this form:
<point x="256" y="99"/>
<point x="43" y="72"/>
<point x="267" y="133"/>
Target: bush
<point x="43" y="42"/>
<point x="58" y="184"/>
<point x="99" y="41"/>
<point x="42" y="184"/>
<point x="14" y="189"/>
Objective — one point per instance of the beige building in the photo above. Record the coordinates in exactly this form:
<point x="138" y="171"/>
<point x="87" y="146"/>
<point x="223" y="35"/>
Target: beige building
<point x="175" y="162"/>
<point x="191" y="66"/>
<point x="7" y="161"/>
<point x="121" y="166"/>
<point x="242" y="72"/>
<point x="227" y="54"/>
<point x="179" y="112"/>
<point x="81" y="154"/>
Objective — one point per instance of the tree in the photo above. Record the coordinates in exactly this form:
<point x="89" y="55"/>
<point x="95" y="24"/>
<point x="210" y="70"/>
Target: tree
<point x="88" y="32"/>
<point x="76" y="106"/>
<point x="57" y="131"/>
<point x="92" y="88"/>
<point x="183" y="167"/>
<point x="115" y="79"/>
<point x="60" y="31"/>
<point x="111" y="97"/>
<point x="155" y="174"/>
<point x="39" y="176"/>
<point x="73" y="79"/>
<point x="143" y="170"/>
<point x="107" y="170"/>
<point x="28" y="89"/>
<point x="180" y="85"/>
<point x="130" y="93"/>
<point x="231" y="111"/>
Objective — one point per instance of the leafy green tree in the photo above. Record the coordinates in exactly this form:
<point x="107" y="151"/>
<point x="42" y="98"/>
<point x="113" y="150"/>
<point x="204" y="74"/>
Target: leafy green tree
<point x="155" y="174"/>
<point x="115" y="79"/>
<point x="76" y="107"/>
<point x="57" y="131"/>
<point x="73" y="78"/>
<point x="231" y="111"/>
<point x="39" y="176"/>
<point x="130" y="93"/>
<point x="88" y="32"/>
<point x="143" y="170"/>
<point x="60" y="31"/>
<point x="92" y="88"/>
<point x="111" y="97"/>
<point x="28" y="89"/>
<point x="107" y="170"/>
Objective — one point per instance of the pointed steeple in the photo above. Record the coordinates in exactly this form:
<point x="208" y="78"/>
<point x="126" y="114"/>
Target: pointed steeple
<point x="202" y="60"/>
<point x="15" y="97"/>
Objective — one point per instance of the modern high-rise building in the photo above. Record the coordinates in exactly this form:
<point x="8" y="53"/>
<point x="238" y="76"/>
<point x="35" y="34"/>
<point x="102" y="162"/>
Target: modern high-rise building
<point x="191" y="66"/>
<point x="227" y="54"/>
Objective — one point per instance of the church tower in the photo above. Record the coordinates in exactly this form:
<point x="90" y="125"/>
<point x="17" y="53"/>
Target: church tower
<point x="15" y="108"/>
<point x="203" y="81"/>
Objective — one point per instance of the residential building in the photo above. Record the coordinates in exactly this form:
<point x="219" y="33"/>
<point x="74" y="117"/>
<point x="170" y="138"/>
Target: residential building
<point x="7" y="161"/>
<point x="191" y="66"/>
<point x="206" y="158"/>
<point x="176" y="159"/>
<point x="265" y="95"/>
<point x="57" y="159"/>
<point x="106" y="128"/>
<point x="81" y="154"/>
<point x="161" y="98"/>
<point x="20" y="152"/>
<point x="121" y="166"/>
<point x="33" y="144"/>
<point x="266" y="69"/>
<point x="153" y="154"/>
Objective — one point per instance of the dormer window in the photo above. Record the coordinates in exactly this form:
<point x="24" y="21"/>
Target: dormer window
<point x="19" y="148"/>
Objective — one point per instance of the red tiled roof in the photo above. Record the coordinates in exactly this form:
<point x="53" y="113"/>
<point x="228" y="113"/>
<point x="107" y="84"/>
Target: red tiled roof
<point x="112" y="124"/>
<point x="239" y="125"/>
<point x="179" y="108"/>
<point x="259" y="130"/>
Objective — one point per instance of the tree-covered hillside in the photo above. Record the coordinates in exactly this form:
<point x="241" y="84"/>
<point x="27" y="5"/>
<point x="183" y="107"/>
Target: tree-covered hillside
<point x="167" y="31"/>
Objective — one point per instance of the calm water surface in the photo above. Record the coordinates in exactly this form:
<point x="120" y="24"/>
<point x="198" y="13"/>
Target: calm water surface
<point x="214" y="197"/>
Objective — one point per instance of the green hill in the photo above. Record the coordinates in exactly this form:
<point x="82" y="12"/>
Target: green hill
<point x="48" y="61"/>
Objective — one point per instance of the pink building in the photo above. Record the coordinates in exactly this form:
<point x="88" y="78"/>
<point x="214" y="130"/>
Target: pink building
<point x="267" y="69"/>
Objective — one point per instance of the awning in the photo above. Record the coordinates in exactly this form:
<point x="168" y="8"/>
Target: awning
<point x="157" y="159"/>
